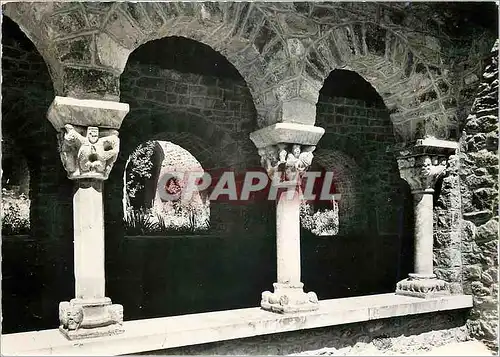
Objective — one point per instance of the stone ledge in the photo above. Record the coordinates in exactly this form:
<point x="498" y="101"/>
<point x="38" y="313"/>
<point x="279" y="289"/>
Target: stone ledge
<point x="86" y="112"/>
<point x="287" y="133"/>
<point x="176" y="331"/>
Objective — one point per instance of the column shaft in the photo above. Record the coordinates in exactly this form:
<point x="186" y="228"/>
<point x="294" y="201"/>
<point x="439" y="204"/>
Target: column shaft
<point x="288" y="237"/>
<point x="88" y="217"/>
<point x="423" y="203"/>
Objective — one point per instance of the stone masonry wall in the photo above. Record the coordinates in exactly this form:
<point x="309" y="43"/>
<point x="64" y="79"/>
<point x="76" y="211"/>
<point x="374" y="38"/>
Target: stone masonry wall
<point x="208" y="102"/>
<point x="364" y="132"/>
<point x="479" y="188"/>
<point x="408" y="335"/>
<point x="447" y="228"/>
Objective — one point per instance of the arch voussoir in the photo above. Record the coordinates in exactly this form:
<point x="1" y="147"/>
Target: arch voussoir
<point x="404" y="79"/>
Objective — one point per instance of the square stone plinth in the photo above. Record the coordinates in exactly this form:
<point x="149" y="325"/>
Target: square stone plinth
<point x="86" y="318"/>
<point x="82" y="333"/>
<point x="289" y="299"/>
<point x="422" y="288"/>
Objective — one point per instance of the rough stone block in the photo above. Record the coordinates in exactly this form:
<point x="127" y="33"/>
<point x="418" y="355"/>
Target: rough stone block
<point x="472" y="272"/>
<point x="86" y="83"/>
<point x="488" y="231"/>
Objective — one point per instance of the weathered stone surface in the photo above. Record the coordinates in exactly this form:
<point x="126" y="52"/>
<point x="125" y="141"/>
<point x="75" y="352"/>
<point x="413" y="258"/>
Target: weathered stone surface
<point x="85" y="83"/>
<point x="413" y="71"/>
<point x="109" y="53"/>
<point x="488" y="231"/>
<point x="390" y="337"/>
<point x="405" y="71"/>
<point x="479" y="177"/>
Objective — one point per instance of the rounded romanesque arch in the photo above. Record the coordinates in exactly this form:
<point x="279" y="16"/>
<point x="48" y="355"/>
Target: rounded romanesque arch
<point x="207" y="141"/>
<point x="41" y="259"/>
<point x="91" y="42"/>
<point x="346" y="181"/>
<point x="414" y="85"/>
<point x="146" y="186"/>
<point x="239" y="31"/>
<point x="15" y="16"/>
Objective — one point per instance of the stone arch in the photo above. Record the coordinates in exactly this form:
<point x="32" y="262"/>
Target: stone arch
<point x="166" y="158"/>
<point x="413" y="84"/>
<point x="27" y="91"/>
<point x="188" y="130"/>
<point x="92" y="41"/>
<point x="17" y="16"/>
<point x="239" y="31"/>
<point x="346" y="180"/>
<point x="202" y="150"/>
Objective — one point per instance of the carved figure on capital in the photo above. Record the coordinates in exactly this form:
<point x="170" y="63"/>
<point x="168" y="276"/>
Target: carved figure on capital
<point x="88" y="156"/>
<point x="421" y="172"/>
<point x="285" y="162"/>
<point x="298" y="161"/>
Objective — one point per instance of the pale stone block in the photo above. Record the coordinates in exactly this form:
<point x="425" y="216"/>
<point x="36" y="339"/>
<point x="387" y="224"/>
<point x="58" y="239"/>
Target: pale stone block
<point x="298" y="111"/>
<point x="110" y="53"/>
<point x="86" y="112"/>
<point x="287" y="133"/>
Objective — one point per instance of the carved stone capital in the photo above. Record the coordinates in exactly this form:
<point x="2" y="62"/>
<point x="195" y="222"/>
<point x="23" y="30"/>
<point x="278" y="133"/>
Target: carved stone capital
<point x="286" y="163"/>
<point x="90" y="318"/>
<point x="88" y="152"/>
<point x="88" y="136"/>
<point x="422" y="171"/>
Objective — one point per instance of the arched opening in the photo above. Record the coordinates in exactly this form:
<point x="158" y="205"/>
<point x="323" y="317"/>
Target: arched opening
<point x="183" y="92"/>
<point x="35" y="263"/>
<point x="375" y="224"/>
<point x="159" y="196"/>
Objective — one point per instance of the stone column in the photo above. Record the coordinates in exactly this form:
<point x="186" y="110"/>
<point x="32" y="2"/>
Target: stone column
<point x="88" y="146"/>
<point x="421" y="167"/>
<point x="286" y="153"/>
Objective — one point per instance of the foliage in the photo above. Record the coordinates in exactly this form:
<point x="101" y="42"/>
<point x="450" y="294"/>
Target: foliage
<point x="144" y="222"/>
<point x="15" y="213"/>
<point x="322" y="222"/>
<point x="140" y="167"/>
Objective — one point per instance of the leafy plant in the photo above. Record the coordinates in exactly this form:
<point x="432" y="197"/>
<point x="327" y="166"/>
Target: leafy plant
<point x="144" y="222"/>
<point x="140" y="222"/>
<point x="324" y="222"/>
<point x="15" y="213"/>
<point x="140" y="167"/>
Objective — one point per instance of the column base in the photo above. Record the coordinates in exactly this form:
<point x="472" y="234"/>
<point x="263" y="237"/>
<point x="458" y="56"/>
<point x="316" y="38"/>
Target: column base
<point x="422" y="286"/>
<point x="86" y="318"/>
<point x="289" y="298"/>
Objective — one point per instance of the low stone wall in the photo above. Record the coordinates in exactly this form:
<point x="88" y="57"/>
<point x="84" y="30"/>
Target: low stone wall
<point x="394" y="336"/>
